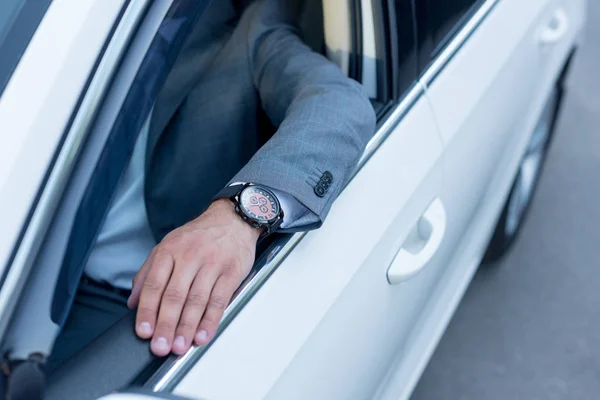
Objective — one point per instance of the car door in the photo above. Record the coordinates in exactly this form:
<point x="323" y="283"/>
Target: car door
<point x="482" y="89"/>
<point x="487" y="87"/>
<point x="331" y="320"/>
<point x="486" y="73"/>
<point x="487" y="92"/>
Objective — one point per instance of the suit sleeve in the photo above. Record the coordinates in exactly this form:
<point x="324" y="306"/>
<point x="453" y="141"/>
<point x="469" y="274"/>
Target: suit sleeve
<point x="324" y="119"/>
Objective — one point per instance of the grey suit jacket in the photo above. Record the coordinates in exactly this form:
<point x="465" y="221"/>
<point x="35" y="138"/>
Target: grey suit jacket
<point x="207" y="128"/>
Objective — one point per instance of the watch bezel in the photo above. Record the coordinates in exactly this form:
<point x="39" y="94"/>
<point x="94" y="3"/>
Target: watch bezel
<point x="242" y="209"/>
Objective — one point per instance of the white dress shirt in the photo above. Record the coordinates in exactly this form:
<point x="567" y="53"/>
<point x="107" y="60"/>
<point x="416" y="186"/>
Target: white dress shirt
<point x="125" y="238"/>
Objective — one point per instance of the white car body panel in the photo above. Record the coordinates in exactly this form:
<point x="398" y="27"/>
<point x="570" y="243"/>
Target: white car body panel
<point x="38" y="102"/>
<point x="510" y="61"/>
<point x="485" y="135"/>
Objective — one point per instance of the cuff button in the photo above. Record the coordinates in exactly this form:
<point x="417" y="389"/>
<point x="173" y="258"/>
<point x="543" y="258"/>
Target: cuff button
<point x="324" y="184"/>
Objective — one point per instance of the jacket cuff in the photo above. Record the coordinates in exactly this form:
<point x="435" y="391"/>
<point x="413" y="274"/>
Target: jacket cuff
<point x="307" y="190"/>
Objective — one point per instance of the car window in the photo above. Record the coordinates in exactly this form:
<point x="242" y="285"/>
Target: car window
<point x="18" y="21"/>
<point x="403" y="24"/>
<point x="437" y="23"/>
<point x="386" y="40"/>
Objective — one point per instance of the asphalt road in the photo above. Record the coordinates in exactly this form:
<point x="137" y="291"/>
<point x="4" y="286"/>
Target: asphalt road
<point x="529" y="327"/>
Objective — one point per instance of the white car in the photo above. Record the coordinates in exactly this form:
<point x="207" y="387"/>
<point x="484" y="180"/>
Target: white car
<point x="466" y="93"/>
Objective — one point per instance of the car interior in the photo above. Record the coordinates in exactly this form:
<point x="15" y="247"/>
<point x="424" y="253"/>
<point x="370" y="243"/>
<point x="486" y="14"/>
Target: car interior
<point x="350" y="36"/>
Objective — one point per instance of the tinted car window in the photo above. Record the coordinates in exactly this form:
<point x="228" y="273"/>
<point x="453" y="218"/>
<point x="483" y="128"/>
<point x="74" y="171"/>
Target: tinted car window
<point x="18" y="21"/>
<point x="405" y="44"/>
<point x="437" y="23"/>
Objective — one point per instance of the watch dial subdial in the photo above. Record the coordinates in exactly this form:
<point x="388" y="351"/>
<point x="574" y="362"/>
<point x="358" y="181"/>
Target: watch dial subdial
<point x="259" y="204"/>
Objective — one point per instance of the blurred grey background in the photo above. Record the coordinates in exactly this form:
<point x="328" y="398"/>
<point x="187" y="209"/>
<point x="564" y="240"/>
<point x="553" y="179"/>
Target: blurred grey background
<point x="529" y="326"/>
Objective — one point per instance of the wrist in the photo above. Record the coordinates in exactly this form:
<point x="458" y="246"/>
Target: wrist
<point x="226" y="210"/>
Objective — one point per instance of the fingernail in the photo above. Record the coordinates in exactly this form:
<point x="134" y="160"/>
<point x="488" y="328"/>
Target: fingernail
<point x="179" y="342"/>
<point x="161" y="345"/>
<point x="202" y="336"/>
<point x="145" y="329"/>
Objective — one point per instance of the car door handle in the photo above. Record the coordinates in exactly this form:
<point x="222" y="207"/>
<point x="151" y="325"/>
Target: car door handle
<point x="421" y="244"/>
<point x="556" y="29"/>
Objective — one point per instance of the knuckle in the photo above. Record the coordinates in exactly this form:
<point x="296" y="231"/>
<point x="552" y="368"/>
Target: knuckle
<point x="165" y="326"/>
<point x="146" y="311"/>
<point x="174" y="295"/>
<point x="208" y="270"/>
<point x="162" y="253"/>
<point x="197" y="299"/>
<point x="187" y="325"/>
<point x="234" y="272"/>
<point x="212" y="320"/>
<point x="190" y="254"/>
<point x="236" y="266"/>
<point x="152" y="285"/>
<point x="211" y="257"/>
<point x="232" y="263"/>
<point x="219" y="302"/>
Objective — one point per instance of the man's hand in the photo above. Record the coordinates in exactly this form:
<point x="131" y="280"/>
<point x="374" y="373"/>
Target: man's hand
<point x="188" y="280"/>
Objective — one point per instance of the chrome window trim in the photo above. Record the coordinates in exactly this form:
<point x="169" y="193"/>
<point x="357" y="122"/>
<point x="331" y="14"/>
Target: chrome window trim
<point x="55" y="185"/>
<point x="168" y="376"/>
<point x="438" y="65"/>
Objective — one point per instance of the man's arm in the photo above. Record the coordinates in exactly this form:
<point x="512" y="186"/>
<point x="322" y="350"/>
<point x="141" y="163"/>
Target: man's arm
<point x="325" y="121"/>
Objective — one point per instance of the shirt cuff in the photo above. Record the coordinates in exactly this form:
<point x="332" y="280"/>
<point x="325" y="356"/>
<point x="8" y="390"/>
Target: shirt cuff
<point x="292" y="208"/>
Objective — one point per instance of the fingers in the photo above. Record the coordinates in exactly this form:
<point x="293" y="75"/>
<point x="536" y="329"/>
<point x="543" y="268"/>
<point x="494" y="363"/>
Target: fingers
<point x="220" y="296"/>
<point x="188" y="280"/>
<point x="152" y="289"/>
<point x="138" y="281"/>
<point x="195" y="304"/>
<point x="173" y="300"/>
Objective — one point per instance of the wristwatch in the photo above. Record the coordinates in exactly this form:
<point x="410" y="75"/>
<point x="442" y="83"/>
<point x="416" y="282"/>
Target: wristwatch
<point x="256" y="205"/>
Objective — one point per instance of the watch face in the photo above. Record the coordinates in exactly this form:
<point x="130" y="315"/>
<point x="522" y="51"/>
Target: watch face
<point x="259" y="204"/>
